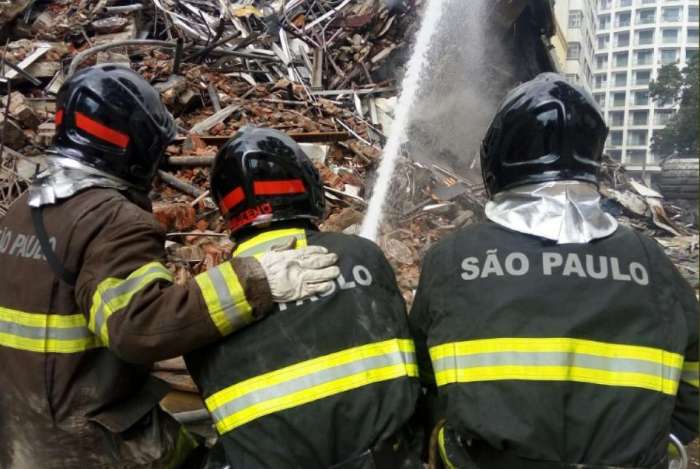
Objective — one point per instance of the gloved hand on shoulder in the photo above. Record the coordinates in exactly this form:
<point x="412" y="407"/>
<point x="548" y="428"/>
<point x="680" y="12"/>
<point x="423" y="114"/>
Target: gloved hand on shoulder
<point x="295" y="274"/>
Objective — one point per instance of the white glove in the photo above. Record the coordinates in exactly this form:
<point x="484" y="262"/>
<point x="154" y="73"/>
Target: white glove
<point x="299" y="273"/>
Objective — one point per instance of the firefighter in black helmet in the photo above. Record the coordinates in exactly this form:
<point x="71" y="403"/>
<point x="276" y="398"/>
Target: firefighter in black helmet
<point x="326" y="382"/>
<point x="551" y="337"/>
<point x="86" y="301"/>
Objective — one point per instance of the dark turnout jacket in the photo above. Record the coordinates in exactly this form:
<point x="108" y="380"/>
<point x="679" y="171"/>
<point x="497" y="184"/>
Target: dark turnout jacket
<point x="544" y="355"/>
<point x="317" y="382"/>
<point x="75" y="358"/>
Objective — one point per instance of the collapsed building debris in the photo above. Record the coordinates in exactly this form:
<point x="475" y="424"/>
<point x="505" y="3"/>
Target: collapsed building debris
<point x="326" y="72"/>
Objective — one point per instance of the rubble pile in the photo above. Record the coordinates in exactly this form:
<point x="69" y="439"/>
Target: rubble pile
<point x="673" y="224"/>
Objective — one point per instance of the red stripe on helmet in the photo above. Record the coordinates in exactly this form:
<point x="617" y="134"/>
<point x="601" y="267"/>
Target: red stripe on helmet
<point x="232" y="199"/>
<point x="58" y="118"/>
<point x="101" y="131"/>
<point x="288" y="186"/>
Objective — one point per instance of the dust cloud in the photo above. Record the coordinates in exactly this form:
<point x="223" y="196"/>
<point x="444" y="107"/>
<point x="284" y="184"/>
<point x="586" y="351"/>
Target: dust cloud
<point x="461" y="91"/>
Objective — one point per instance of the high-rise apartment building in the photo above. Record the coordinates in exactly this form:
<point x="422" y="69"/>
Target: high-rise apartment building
<point x="633" y="40"/>
<point x="615" y="48"/>
<point x="577" y="22"/>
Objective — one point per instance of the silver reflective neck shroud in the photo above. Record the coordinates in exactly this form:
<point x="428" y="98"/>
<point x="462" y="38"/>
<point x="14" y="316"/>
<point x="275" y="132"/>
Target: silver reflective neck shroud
<point x="563" y="211"/>
<point x="65" y="177"/>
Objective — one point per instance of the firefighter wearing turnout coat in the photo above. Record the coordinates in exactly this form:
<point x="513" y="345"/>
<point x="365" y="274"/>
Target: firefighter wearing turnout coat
<point x="86" y="302"/>
<point x="551" y="337"/>
<point x="326" y="382"/>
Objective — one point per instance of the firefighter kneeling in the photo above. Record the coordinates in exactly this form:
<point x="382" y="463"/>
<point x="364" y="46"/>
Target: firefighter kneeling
<point x="326" y="382"/>
<point x="552" y="337"/>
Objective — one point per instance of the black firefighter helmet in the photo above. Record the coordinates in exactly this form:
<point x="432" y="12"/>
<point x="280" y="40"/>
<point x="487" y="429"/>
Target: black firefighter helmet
<point x="110" y="118"/>
<point x="545" y="130"/>
<point x="261" y="176"/>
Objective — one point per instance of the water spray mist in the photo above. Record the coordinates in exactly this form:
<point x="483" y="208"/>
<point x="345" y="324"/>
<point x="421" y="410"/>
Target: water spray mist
<point x="410" y="86"/>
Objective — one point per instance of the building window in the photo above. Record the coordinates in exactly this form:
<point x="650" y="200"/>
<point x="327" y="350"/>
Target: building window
<point x="615" y="155"/>
<point x="622" y="20"/>
<point x="604" y="4"/>
<point x="601" y="62"/>
<point x="646" y="16"/>
<point x="601" y="81"/>
<point x="624" y="3"/>
<point x="641" y="98"/>
<point x="617" y="119"/>
<point x="621" y="59"/>
<point x="640" y="117"/>
<point x="644" y="57"/>
<point x="619" y="99"/>
<point x="622" y="39"/>
<point x="645" y="37"/>
<point x="663" y="116"/>
<point x="691" y="54"/>
<point x="615" y="138"/>
<point x="603" y="42"/>
<point x="600" y="99"/>
<point x="670" y="36"/>
<point x="604" y="22"/>
<point x="669" y="56"/>
<point x="693" y="14"/>
<point x="636" y="157"/>
<point x="572" y="78"/>
<point x="574" y="51"/>
<point x="641" y="77"/>
<point x="693" y="36"/>
<point x="620" y="79"/>
<point x="575" y="19"/>
<point x="648" y="2"/>
<point x="671" y="14"/>
<point x="636" y="137"/>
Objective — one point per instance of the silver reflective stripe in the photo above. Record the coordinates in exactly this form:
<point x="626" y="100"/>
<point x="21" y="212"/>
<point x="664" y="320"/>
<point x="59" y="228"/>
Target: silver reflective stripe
<point x="44" y="332"/>
<point x="622" y="365"/>
<point x="127" y="286"/>
<point x="228" y="305"/>
<point x="311" y="380"/>
<point x="265" y="246"/>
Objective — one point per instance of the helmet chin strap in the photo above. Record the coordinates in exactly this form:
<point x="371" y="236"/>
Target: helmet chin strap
<point x="65" y="177"/>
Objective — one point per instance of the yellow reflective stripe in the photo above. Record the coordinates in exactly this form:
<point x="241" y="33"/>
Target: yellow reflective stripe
<point x="557" y="344"/>
<point x="557" y="359"/>
<point x="45" y="333"/>
<point x="48" y="345"/>
<point x="225" y="298"/>
<point x="311" y="380"/>
<point x="262" y="243"/>
<point x="443" y="450"/>
<point x="691" y="373"/>
<point x="113" y="294"/>
<point x="306" y="367"/>
<point x="56" y="321"/>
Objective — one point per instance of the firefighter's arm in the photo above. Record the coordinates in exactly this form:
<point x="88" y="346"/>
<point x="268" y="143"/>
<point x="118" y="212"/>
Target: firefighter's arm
<point x="136" y="310"/>
<point x="684" y="423"/>
<point x="429" y="410"/>
<point x="419" y="321"/>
